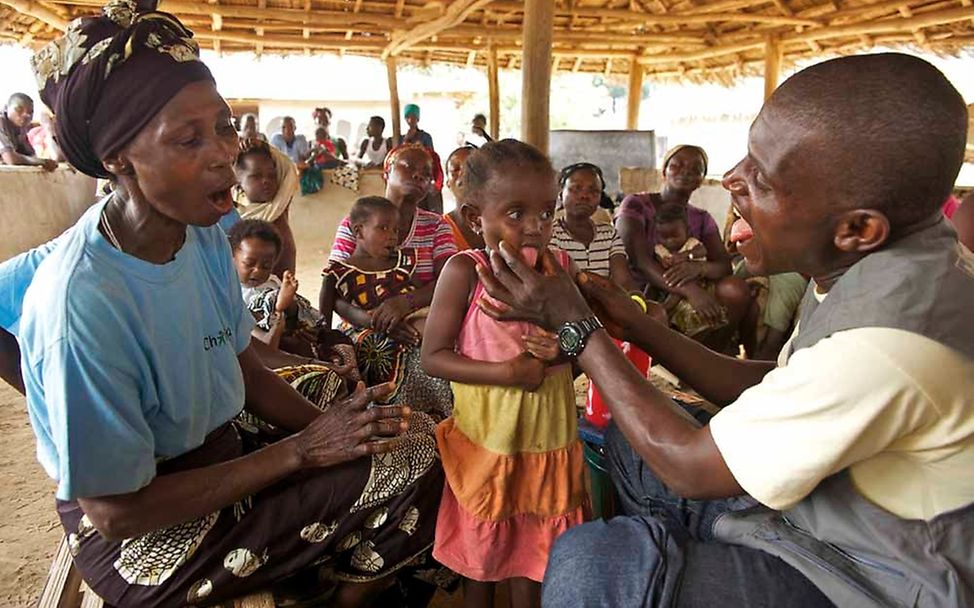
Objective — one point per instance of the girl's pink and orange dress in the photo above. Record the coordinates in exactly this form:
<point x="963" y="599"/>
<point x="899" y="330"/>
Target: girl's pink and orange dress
<point x="512" y="459"/>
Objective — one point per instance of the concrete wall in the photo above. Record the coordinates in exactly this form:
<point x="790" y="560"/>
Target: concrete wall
<point x="314" y="220"/>
<point x="36" y="206"/>
<point x="715" y="199"/>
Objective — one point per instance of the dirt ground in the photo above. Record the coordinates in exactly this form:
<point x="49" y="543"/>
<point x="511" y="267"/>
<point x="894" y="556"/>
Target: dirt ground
<point x="29" y="529"/>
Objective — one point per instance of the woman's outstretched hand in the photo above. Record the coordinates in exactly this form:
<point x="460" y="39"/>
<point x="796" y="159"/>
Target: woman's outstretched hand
<point x="547" y="298"/>
<point x="350" y="429"/>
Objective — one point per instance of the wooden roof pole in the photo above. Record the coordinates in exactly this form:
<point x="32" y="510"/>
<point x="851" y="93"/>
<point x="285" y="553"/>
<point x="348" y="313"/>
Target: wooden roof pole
<point x="536" y="72"/>
<point x="772" y="65"/>
<point x="394" y="99"/>
<point x="37" y="11"/>
<point x="635" y="94"/>
<point x="493" y="88"/>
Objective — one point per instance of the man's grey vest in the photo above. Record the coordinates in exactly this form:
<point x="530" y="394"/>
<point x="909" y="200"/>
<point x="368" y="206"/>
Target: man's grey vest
<point x="857" y="553"/>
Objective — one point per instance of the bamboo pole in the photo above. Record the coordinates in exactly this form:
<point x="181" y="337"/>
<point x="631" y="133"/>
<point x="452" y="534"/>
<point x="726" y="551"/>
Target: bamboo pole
<point x="493" y="88"/>
<point x="536" y="72"/>
<point x="37" y="11"/>
<point x="394" y="99"/>
<point x="772" y="65"/>
<point x="635" y="94"/>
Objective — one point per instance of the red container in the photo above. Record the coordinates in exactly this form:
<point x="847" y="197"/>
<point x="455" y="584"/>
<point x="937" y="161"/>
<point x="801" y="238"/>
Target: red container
<point x="595" y="410"/>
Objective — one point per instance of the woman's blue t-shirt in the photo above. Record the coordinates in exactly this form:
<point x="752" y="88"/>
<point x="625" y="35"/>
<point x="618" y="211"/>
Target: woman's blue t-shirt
<point x="126" y="362"/>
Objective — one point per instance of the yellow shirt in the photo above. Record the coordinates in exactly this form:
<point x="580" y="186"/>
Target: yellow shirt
<point x="895" y="408"/>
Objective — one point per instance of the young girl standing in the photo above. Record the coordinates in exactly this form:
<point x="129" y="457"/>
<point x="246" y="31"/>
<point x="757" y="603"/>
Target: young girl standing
<point x="510" y="451"/>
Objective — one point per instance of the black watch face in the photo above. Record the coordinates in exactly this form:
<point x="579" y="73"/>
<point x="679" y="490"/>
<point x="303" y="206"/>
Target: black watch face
<point x="569" y="340"/>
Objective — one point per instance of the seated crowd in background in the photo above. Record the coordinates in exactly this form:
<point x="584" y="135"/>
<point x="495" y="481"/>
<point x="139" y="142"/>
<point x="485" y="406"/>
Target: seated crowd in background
<point x="16" y="135"/>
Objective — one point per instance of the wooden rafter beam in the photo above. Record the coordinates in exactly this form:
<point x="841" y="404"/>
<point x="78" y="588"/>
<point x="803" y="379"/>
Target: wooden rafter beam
<point x="37" y="11"/>
<point x="455" y="14"/>
<point x="674" y="18"/>
<point x="337" y="19"/>
<point x="894" y="24"/>
<point x="565" y="36"/>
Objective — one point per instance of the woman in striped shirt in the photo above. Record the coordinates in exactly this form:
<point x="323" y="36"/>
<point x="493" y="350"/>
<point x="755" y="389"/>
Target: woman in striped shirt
<point x="595" y="247"/>
<point x="408" y="172"/>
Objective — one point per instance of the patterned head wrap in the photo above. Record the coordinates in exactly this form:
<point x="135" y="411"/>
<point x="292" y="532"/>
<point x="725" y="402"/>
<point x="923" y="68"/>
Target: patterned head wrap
<point x="110" y="74"/>
<point x="672" y="152"/>
<point x="411" y="109"/>
<point x="396" y="152"/>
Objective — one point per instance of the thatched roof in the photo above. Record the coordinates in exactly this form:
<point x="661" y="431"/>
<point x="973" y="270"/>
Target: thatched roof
<point x="688" y="39"/>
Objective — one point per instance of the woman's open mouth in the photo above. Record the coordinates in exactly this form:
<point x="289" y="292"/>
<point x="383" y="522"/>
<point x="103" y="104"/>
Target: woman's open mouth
<point x="221" y="200"/>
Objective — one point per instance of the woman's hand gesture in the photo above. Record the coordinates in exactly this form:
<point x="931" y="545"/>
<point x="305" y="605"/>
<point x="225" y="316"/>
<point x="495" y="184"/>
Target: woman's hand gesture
<point x="351" y="429"/>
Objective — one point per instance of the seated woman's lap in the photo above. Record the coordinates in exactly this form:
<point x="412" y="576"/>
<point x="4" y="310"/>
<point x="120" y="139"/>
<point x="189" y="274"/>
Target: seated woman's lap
<point x="366" y="518"/>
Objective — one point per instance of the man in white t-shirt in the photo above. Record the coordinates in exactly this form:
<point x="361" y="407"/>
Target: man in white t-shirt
<point x="841" y="475"/>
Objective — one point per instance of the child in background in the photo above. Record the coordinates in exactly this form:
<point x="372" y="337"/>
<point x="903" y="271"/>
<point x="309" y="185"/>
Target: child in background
<point x="675" y="245"/>
<point x="356" y="288"/>
<point x="285" y="320"/>
<point x="464" y="234"/>
<point x="510" y="451"/>
<point x="268" y="183"/>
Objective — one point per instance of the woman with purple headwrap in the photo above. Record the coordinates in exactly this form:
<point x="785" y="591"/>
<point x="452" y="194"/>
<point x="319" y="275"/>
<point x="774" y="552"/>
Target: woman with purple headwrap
<point x="136" y="362"/>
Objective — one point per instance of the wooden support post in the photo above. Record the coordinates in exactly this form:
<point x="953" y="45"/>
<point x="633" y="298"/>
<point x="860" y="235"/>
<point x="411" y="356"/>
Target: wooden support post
<point x="772" y="64"/>
<point x="394" y="99"/>
<point x="536" y="72"/>
<point x="635" y="94"/>
<point x="493" y="90"/>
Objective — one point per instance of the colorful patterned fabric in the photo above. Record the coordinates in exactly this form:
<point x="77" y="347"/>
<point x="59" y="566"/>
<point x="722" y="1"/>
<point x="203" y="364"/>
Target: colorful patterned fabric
<point x="380" y="358"/>
<point x="369" y="288"/>
<point x="429" y="237"/>
<point x="364" y="519"/>
<point x="512" y="459"/>
<point x="684" y="316"/>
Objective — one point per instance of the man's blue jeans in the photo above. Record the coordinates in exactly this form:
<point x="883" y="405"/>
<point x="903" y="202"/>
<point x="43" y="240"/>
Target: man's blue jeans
<point x="662" y="553"/>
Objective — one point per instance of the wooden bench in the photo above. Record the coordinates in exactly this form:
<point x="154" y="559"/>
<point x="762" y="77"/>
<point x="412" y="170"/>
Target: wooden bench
<point x="65" y="589"/>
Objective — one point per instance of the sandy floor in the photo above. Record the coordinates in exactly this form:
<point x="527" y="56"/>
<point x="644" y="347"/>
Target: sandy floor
<point x="29" y="529"/>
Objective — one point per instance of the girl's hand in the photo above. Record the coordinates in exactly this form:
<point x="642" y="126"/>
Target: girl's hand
<point x="349" y="429"/>
<point x="682" y="273"/>
<point x="541" y="344"/>
<point x="527" y="372"/>
<point x="289" y="288"/>
<point x="390" y="313"/>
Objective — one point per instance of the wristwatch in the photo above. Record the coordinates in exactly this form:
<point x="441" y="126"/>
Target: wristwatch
<point x="572" y="336"/>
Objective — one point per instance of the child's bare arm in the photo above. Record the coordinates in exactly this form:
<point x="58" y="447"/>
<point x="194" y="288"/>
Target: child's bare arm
<point x="353" y="314"/>
<point x="326" y="297"/>
<point x="439" y="356"/>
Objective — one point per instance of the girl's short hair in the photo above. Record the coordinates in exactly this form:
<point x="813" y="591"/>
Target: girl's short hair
<point x="255" y="147"/>
<point x="487" y="160"/>
<point x="254" y="229"/>
<point x="366" y="206"/>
